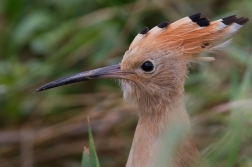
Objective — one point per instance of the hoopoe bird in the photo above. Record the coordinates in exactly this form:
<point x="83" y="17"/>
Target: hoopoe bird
<point x="152" y="72"/>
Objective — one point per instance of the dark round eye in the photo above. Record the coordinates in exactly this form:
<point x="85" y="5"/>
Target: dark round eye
<point x="147" y="66"/>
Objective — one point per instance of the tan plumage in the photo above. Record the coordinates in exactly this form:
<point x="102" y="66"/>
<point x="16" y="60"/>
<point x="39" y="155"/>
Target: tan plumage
<point x="159" y="95"/>
<point x="152" y="72"/>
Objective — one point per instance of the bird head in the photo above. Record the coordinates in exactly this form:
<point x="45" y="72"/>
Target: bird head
<point x="153" y="69"/>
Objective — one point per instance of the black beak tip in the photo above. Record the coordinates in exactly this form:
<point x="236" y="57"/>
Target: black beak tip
<point x="42" y="88"/>
<point x="39" y="89"/>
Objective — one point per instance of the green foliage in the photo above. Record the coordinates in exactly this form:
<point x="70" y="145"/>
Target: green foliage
<point x="41" y="41"/>
<point x="93" y="156"/>
<point x="92" y="159"/>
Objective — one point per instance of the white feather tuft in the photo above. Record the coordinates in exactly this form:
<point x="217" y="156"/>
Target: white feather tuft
<point x="220" y="46"/>
<point x="205" y="59"/>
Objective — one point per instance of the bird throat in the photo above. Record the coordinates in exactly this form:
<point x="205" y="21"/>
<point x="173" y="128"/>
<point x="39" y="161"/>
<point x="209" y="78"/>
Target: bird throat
<point x="164" y="140"/>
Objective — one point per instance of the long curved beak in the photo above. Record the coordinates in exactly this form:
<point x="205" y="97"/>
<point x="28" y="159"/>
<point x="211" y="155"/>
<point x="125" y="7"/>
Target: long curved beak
<point x="113" y="71"/>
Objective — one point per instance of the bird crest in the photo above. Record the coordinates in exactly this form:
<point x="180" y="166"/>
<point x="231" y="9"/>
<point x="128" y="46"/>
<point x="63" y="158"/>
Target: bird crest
<point x="189" y="36"/>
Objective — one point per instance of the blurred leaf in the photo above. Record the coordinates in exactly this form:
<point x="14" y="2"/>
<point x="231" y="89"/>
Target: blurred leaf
<point x="247" y="80"/>
<point x="30" y="25"/>
<point x="85" y="162"/>
<point x="93" y="156"/>
<point x="12" y="7"/>
<point x="47" y="42"/>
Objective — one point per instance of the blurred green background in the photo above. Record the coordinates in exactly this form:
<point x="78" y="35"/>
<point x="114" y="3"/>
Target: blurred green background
<point x="41" y="41"/>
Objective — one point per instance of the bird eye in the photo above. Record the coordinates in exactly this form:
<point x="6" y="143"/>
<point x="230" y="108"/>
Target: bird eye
<point x="147" y="66"/>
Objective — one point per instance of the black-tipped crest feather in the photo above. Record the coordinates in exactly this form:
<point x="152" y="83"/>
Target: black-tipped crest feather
<point x="195" y="17"/>
<point x="203" y="22"/>
<point x="225" y="18"/>
<point x="144" y="30"/>
<point x="164" y="24"/>
<point x="242" y="20"/>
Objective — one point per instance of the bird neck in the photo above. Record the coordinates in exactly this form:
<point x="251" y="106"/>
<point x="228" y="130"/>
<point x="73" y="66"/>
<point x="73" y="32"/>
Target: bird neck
<point x="164" y="139"/>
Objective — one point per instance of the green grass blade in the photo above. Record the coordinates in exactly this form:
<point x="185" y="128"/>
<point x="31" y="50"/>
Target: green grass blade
<point x="85" y="162"/>
<point x="94" y="161"/>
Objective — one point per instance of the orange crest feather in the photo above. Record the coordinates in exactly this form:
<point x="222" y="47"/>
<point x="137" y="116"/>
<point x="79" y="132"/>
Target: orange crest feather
<point x="191" y="34"/>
